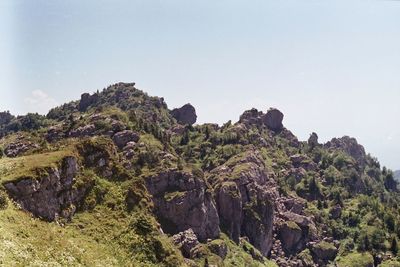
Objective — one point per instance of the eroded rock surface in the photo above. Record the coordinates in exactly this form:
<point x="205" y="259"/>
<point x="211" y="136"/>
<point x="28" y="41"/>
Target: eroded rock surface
<point x="350" y="146"/>
<point x="51" y="195"/>
<point x="19" y="147"/>
<point x="183" y="201"/>
<point x="244" y="199"/>
<point x="273" y="119"/>
<point x="121" y="139"/>
<point x="186" y="241"/>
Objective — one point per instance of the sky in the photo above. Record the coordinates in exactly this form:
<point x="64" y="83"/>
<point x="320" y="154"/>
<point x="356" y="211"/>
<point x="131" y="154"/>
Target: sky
<point x="331" y="66"/>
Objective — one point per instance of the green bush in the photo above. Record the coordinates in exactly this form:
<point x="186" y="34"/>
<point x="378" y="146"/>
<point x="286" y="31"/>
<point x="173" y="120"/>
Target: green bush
<point x="3" y="200"/>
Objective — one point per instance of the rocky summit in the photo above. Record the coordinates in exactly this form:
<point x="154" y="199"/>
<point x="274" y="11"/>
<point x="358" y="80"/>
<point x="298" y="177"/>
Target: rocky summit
<point x="119" y="179"/>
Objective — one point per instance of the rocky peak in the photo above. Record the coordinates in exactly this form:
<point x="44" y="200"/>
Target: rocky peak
<point x="350" y="146"/>
<point x="87" y="100"/>
<point x="252" y="116"/>
<point x="5" y="117"/>
<point x="313" y="140"/>
<point x="185" y="114"/>
<point x="272" y="119"/>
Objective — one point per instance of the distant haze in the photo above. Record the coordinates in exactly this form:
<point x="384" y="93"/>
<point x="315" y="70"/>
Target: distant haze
<point x="331" y="66"/>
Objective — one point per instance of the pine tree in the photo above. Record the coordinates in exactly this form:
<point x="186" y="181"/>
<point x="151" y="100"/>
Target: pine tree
<point x="394" y="247"/>
<point x="185" y="138"/>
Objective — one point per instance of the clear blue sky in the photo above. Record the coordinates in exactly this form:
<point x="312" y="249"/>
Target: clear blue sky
<point x="331" y="66"/>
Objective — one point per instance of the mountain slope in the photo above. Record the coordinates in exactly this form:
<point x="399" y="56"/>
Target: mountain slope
<point x="137" y="184"/>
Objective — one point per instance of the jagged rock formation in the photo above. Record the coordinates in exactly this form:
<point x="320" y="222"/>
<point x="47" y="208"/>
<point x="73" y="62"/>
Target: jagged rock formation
<point x="87" y="100"/>
<point x="244" y="199"/>
<point x="51" y="195"/>
<point x="273" y="119"/>
<point x="145" y="181"/>
<point x="121" y="139"/>
<point x="350" y="146"/>
<point x="186" y="241"/>
<point x="313" y="140"/>
<point x="182" y="201"/>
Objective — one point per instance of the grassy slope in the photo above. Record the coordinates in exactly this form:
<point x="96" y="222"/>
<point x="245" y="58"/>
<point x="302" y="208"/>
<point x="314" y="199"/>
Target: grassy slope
<point x="26" y="241"/>
<point x="14" y="168"/>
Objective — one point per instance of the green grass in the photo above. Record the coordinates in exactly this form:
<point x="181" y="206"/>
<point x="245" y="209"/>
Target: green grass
<point x="391" y="263"/>
<point x="26" y="241"/>
<point x="12" y="169"/>
<point x="356" y="260"/>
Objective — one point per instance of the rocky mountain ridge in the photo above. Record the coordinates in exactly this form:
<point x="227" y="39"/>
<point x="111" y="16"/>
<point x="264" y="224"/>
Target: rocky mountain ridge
<point x="178" y="194"/>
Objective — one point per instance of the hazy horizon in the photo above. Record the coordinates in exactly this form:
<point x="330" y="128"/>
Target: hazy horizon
<point x="331" y="67"/>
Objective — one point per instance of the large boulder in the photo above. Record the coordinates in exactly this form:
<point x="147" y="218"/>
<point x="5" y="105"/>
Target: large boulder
<point x="183" y="201"/>
<point x="313" y="140"/>
<point x="124" y="137"/>
<point x="324" y="251"/>
<point x="185" y="114"/>
<point x="290" y="235"/>
<point x="273" y="119"/>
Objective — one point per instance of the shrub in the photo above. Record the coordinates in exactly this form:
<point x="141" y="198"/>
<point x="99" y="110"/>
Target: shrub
<point x="3" y="200"/>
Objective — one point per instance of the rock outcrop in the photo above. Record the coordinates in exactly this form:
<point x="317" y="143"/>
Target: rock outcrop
<point x="19" y="146"/>
<point x="324" y="251"/>
<point x="183" y="201"/>
<point x="87" y="100"/>
<point x="51" y="195"/>
<point x="350" y="146"/>
<point x="273" y="119"/>
<point x="244" y="199"/>
<point x="87" y="130"/>
<point x="313" y="140"/>
<point x="186" y="241"/>
<point x="121" y="139"/>
<point x="185" y="114"/>
<point x="290" y="235"/>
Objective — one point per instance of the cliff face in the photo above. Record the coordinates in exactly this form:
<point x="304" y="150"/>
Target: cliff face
<point x="121" y="168"/>
<point x="51" y="195"/>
